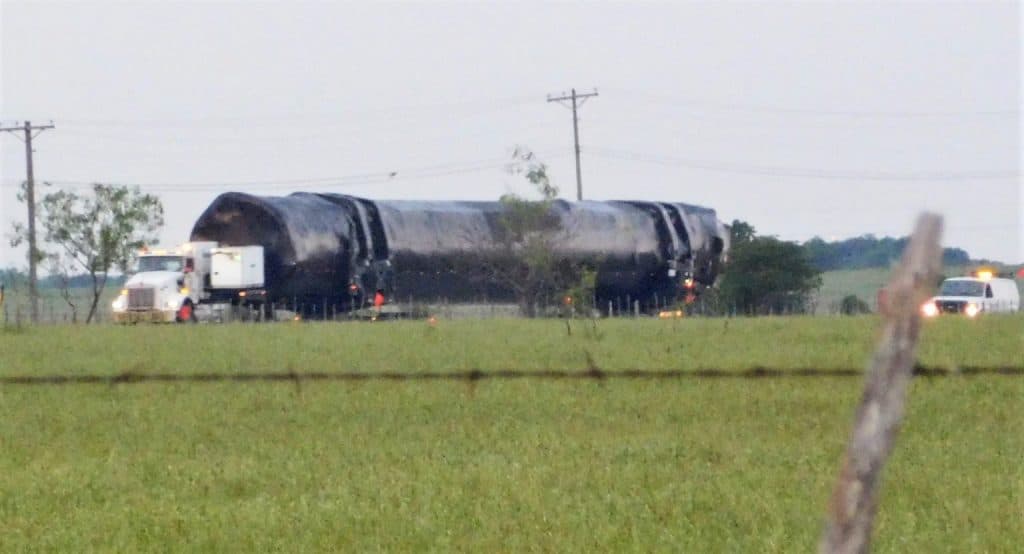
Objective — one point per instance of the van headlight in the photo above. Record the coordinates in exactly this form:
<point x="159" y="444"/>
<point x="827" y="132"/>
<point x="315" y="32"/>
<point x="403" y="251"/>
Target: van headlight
<point x="929" y="309"/>
<point x="971" y="310"/>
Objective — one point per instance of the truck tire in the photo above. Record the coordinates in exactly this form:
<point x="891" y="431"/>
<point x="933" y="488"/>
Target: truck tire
<point x="187" y="314"/>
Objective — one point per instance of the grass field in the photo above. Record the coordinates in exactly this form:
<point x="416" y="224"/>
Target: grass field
<point x="743" y="465"/>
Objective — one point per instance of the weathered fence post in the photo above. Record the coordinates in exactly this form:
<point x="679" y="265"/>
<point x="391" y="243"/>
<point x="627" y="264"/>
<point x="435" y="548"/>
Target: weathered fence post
<point x="855" y="497"/>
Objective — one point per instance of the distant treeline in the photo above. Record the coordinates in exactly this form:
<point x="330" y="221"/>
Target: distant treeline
<point x="14" y="280"/>
<point x="868" y="251"/>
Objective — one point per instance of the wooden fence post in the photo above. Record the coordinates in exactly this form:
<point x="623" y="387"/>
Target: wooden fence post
<point x="876" y="424"/>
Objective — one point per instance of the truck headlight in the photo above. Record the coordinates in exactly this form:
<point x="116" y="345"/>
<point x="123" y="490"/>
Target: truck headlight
<point x="929" y="309"/>
<point x="171" y="303"/>
<point x="971" y="310"/>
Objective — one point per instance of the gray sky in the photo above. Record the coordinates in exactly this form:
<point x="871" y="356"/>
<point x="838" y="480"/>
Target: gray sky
<point x="829" y="119"/>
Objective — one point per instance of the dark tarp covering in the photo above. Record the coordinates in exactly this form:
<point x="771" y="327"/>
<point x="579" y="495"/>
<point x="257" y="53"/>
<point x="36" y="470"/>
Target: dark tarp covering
<point x="317" y="245"/>
<point x="306" y="240"/>
<point x="431" y="244"/>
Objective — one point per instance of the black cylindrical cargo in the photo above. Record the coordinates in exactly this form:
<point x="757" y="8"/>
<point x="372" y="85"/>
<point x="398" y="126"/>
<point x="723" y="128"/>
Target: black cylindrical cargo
<point x="307" y="241"/>
<point x="327" y="246"/>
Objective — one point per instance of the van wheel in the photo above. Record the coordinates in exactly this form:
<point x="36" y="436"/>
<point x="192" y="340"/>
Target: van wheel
<point x="187" y="314"/>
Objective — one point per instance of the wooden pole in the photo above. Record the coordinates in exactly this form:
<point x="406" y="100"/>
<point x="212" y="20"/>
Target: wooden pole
<point x="876" y="424"/>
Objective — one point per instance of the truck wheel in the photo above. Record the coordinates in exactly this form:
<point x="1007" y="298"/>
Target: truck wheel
<point x="187" y="314"/>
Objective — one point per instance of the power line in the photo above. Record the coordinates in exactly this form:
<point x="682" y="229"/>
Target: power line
<point x="30" y="200"/>
<point x="362" y="179"/>
<point x="581" y="98"/>
<point x="785" y="110"/>
<point x="99" y="141"/>
<point x="470" y="107"/>
<point x="808" y="173"/>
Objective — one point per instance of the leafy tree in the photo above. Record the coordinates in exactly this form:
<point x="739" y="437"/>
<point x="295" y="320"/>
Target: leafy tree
<point x="97" y="231"/>
<point x="741" y="232"/>
<point x="766" y="275"/>
<point x="20" y="230"/>
<point x="528" y="236"/>
<point x="851" y="304"/>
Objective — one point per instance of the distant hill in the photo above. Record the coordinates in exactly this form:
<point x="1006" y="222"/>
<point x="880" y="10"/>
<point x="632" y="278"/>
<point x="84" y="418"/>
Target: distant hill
<point x="868" y="251"/>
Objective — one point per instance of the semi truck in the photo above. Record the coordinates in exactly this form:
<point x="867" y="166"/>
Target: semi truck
<point x="172" y="285"/>
<point x="317" y="254"/>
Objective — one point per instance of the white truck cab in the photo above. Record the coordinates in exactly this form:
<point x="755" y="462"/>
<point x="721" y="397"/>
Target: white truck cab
<point x="168" y="284"/>
<point x="975" y="295"/>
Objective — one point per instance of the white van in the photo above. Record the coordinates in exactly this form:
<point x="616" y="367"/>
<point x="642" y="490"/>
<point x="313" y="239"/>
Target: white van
<point x="974" y="295"/>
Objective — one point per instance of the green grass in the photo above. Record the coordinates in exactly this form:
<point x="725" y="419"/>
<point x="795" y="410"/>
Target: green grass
<point x="677" y="465"/>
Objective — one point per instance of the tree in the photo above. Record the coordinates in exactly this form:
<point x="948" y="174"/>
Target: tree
<point x="527" y="239"/>
<point x="741" y="232"/>
<point x="97" y="232"/>
<point x="20" y="231"/>
<point x="766" y="275"/>
<point x="851" y="304"/>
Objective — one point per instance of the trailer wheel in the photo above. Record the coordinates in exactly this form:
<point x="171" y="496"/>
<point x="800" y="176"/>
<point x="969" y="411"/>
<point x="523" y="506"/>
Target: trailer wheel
<point x="187" y="314"/>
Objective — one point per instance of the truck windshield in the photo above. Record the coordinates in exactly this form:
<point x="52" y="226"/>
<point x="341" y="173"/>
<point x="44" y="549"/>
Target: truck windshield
<point x="160" y="263"/>
<point x="962" y="288"/>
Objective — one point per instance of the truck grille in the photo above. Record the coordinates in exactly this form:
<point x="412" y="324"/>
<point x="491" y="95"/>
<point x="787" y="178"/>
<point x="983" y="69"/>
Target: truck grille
<point x="951" y="306"/>
<point x="141" y="299"/>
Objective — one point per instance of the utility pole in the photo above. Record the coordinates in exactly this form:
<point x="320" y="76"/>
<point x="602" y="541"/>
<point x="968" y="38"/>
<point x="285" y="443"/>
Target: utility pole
<point x="577" y="101"/>
<point x="30" y="197"/>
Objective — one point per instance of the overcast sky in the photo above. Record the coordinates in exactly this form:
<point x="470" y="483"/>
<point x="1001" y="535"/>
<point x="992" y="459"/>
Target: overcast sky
<point x="828" y="119"/>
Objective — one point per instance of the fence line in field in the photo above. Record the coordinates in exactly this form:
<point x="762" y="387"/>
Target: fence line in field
<point x="475" y="375"/>
<point x="55" y="311"/>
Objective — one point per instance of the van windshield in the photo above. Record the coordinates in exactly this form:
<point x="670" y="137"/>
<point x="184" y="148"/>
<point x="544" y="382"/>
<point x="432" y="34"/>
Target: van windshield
<point x="962" y="288"/>
<point x="160" y="263"/>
